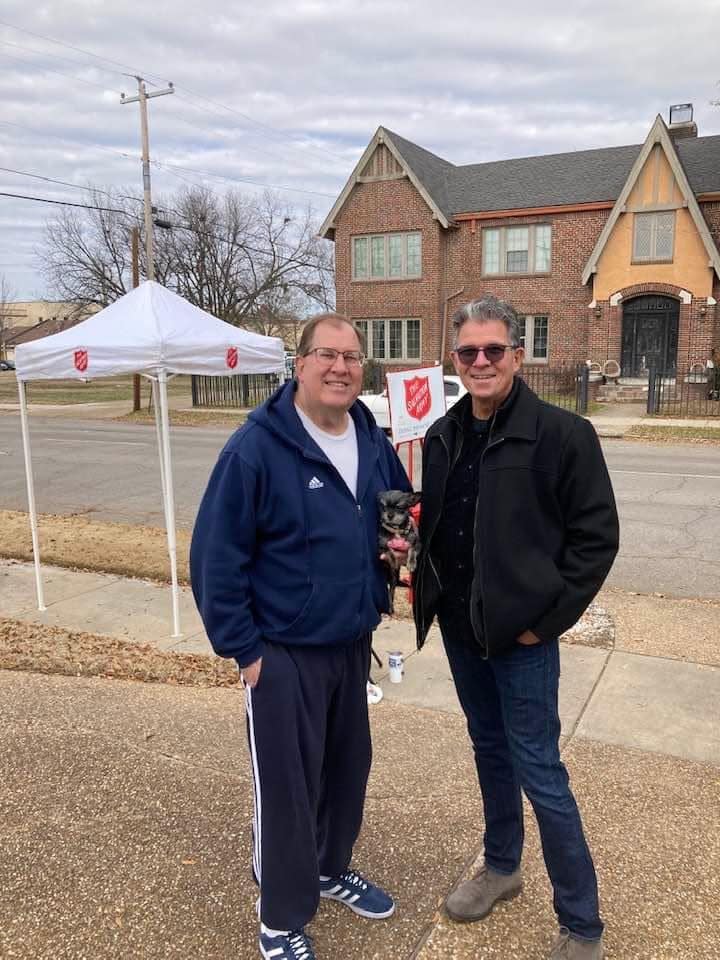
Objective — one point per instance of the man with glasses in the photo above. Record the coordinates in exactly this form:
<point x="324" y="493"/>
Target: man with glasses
<point x="518" y="532"/>
<point x="286" y="575"/>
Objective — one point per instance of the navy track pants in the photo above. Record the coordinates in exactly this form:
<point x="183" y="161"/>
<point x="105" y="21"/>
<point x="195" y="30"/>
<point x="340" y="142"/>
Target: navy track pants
<point x="309" y="739"/>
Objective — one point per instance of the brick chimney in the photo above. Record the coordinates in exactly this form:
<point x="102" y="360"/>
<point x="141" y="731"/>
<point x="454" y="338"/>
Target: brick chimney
<point x="682" y="124"/>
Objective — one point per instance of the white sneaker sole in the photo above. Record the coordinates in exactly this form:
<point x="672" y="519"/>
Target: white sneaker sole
<point x="358" y="910"/>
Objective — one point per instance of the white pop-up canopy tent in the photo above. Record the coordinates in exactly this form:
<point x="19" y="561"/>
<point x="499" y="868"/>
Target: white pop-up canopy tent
<point x="153" y="332"/>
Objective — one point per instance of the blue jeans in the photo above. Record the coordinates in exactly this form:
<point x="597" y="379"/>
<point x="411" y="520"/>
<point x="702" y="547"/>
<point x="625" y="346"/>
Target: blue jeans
<point x="511" y="706"/>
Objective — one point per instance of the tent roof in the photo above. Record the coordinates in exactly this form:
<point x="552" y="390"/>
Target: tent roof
<point x="148" y="330"/>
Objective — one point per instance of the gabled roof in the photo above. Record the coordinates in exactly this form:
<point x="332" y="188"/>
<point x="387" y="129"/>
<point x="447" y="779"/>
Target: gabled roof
<point x="659" y="135"/>
<point x="422" y="168"/>
<point x="560" y="179"/>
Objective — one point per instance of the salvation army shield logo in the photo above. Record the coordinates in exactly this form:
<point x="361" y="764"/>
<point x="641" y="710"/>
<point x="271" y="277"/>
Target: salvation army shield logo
<point x="81" y="360"/>
<point x="231" y="357"/>
<point x="417" y="397"/>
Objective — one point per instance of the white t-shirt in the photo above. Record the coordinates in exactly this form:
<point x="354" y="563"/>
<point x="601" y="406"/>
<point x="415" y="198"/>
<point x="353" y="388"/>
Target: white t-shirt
<point x="340" y="449"/>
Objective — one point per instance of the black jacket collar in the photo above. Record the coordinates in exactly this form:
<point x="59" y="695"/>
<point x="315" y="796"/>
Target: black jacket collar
<point x="517" y="416"/>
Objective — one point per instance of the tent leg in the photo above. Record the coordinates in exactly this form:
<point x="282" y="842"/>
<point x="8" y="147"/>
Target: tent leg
<point x="161" y="447"/>
<point x="31" y="495"/>
<point x="169" y="499"/>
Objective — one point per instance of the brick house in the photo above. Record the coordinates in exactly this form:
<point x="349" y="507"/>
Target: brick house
<point x="608" y="254"/>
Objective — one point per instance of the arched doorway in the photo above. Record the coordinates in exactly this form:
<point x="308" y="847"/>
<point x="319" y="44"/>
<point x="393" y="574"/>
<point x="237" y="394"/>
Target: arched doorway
<point x="650" y="336"/>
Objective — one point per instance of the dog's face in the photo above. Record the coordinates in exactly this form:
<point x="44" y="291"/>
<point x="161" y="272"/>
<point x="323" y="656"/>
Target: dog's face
<point x="394" y="508"/>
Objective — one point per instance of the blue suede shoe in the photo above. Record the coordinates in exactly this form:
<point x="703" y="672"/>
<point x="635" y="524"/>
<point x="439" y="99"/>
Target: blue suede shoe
<point x="295" y="945"/>
<point x="363" y="897"/>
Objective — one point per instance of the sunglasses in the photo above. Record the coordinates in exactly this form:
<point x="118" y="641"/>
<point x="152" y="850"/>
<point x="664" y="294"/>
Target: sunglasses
<point x="493" y="352"/>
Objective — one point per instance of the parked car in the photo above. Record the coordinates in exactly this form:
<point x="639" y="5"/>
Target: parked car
<point x="7" y="365"/>
<point x="380" y="408"/>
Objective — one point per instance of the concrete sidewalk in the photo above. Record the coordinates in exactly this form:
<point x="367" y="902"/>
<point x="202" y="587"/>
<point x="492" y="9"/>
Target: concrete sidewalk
<point x="136" y="802"/>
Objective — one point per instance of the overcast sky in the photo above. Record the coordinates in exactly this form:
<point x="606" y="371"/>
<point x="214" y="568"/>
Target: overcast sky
<point x="289" y="93"/>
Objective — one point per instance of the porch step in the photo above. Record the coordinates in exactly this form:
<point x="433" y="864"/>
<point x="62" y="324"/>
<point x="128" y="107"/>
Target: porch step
<point x="617" y="393"/>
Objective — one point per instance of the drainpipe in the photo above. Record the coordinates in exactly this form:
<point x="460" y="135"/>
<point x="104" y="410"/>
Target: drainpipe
<point x="443" y="333"/>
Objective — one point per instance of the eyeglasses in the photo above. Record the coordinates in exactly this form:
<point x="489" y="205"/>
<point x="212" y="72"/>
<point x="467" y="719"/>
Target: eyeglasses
<point x="327" y="356"/>
<point x="493" y="352"/>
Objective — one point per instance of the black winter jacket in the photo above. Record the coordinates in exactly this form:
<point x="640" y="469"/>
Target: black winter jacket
<point x="546" y="527"/>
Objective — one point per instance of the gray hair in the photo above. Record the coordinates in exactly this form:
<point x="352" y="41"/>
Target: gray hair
<point x="484" y="310"/>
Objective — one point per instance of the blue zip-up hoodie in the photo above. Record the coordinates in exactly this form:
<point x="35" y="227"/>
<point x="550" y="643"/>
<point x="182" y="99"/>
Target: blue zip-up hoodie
<point x="276" y="557"/>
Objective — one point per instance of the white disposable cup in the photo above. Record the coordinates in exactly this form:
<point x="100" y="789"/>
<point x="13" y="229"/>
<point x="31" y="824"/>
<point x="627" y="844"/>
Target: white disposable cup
<point x="395" y="665"/>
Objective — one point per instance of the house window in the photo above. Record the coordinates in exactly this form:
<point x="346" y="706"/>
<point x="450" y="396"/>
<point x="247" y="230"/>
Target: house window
<point x="387" y="256"/>
<point x="391" y="340"/>
<point x="534" y="338"/>
<point x="507" y="250"/>
<point x="654" y="236"/>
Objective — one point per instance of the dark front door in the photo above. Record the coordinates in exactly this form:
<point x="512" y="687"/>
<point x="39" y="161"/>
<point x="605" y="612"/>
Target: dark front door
<point x="650" y="336"/>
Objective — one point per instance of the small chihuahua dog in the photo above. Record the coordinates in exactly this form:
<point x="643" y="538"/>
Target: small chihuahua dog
<point x="396" y="523"/>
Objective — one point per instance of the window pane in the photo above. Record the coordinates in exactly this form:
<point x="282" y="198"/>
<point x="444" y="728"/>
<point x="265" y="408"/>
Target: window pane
<point x="395" y="346"/>
<point x="516" y="250"/>
<point x="377" y="256"/>
<point x="516" y="238"/>
<point x="378" y="339"/>
<point x="540" y="338"/>
<point x="395" y="252"/>
<point x="413" y="339"/>
<point x="362" y="327"/>
<point x="360" y="259"/>
<point x="414" y="255"/>
<point x="665" y="228"/>
<point x="491" y="251"/>
<point x="523" y="321"/>
<point x="542" y="248"/>
<point x="642" y="241"/>
<point x="516" y="261"/>
<point x="451" y="389"/>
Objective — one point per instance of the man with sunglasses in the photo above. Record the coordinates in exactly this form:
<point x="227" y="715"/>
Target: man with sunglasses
<point x="287" y="577"/>
<point x="518" y="532"/>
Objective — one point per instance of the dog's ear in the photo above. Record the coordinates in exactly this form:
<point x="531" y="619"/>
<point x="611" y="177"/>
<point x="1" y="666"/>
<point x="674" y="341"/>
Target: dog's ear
<point x="409" y="500"/>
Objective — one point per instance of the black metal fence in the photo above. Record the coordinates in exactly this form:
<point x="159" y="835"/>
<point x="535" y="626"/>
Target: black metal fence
<point x="698" y="395"/>
<point x="246" y="390"/>
<point x="564" y="386"/>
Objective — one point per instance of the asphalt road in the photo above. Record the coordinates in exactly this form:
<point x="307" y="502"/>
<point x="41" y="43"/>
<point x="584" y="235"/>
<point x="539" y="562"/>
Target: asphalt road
<point x="668" y="495"/>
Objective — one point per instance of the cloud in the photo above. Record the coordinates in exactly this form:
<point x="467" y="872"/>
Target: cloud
<point x="298" y="89"/>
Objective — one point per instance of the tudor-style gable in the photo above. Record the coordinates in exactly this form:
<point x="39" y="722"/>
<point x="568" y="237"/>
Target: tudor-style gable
<point x="655" y="232"/>
<point x="383" y="160"/>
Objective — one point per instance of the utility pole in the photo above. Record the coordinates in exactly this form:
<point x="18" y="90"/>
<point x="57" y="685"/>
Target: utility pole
<point x="135" y="283"/>
<point x="142" y="98"/>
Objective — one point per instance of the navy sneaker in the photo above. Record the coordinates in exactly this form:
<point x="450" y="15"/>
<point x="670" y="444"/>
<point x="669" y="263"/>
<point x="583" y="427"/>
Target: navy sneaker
<point x="359" y="894"/>
<point x="295" y="945"/>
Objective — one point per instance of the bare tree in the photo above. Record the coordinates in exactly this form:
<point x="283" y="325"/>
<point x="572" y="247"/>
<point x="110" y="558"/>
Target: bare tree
<point x="232" y="255"/>
<point x="7" y="296"/>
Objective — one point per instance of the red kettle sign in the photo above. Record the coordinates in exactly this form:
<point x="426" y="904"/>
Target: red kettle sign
<point x="81" y="360"/>
<point x="231" y="357"/>
<point x="417" y="397"/>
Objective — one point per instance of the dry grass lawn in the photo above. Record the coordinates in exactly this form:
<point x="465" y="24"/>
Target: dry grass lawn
<point x="102" y="547"/>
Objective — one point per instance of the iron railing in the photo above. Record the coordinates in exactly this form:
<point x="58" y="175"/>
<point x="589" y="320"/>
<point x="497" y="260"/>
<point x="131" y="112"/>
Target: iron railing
<point x="564" y="386"/>
<point x="245" y="391"/>
<point x="697" y="395"/>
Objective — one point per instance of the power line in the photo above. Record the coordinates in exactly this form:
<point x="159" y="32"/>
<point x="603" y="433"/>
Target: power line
<point x="167" y="164"/>
<point x="63" y="203"/>
<point x="61" y="73"/>
<point x="264" y="126"/>
<point x="54" y="56"/>
<point x="86" y="206"/>
<point x="61" y="43"/>
<point x="66" y="183"/>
